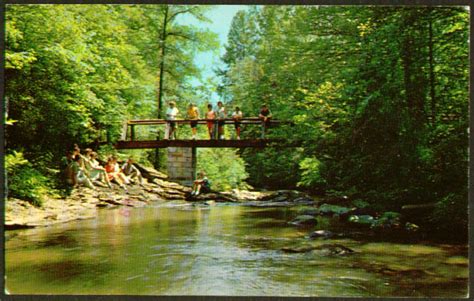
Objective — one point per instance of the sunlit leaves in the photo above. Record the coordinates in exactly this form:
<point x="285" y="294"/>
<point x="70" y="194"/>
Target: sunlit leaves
<point x="356" y="82"/>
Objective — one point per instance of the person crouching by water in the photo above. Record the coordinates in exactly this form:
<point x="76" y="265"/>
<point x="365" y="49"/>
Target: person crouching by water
<point x="193" y="115"/>
<point x="201" y="184"/>
<point x="265" y="115"/>
<point x="131" y="171"/>
<point x="210" y="116"/>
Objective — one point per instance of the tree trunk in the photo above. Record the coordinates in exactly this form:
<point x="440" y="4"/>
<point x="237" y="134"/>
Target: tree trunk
<point x="162" y="62"/>
<point x="432" y="75"/>
<point x="160" y="85"/>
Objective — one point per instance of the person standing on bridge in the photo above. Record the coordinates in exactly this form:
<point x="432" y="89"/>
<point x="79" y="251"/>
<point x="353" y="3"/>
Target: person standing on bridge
<point x="221" y="115"/>
<point x="237" y="116"/>
<point x="210" y="116"/>
<point x="193" y="114"/>
<point x="265" y="115"/>
<point x="171" y="114"/>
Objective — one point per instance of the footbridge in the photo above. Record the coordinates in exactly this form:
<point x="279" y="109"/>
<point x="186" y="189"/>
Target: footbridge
<point x="181" y="152"/>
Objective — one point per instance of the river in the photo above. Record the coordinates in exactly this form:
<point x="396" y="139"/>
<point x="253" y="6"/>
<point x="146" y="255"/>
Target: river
<point x="224" y="249"/>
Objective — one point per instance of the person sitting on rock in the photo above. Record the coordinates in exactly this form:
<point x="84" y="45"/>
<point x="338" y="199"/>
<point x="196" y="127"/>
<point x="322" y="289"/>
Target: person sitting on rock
<point x="96" y="171"/>
<point x="131" y="171"/>
<point x="77" y="152"/>
<point x="77" y="174"/>
<point x="66" y="160"/>
<point x="67" y="175"/>
<point x="115" y="173"/>
<point x="201" y="184"/>
<point x="64" y="165"/>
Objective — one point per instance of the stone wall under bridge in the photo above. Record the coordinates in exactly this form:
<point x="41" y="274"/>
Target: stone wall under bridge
<point x="182" y="165"/>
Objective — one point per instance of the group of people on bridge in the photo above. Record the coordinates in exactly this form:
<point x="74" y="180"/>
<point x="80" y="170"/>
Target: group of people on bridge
<point x="215" y="119"/>
<point x="85" y="169"/>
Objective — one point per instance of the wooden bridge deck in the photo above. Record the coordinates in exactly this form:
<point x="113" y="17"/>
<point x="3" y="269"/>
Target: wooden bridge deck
<point x="206" y="143"/>
<point x="131" y="141"/>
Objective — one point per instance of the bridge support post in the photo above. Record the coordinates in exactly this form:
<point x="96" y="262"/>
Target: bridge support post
<point x="182" y="165"/>
<point x="132" y="132"/>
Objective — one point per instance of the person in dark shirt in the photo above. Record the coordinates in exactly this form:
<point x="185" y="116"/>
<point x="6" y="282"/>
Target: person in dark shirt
<point x="265" y="116"/>
<point x="201" y="184"/>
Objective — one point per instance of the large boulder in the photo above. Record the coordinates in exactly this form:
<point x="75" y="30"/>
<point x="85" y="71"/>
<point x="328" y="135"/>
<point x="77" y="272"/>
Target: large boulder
<point x="327" y="209"/>
<point x="341" y="200"/>
<point x="283" y="195"/>
<point x="325" y="234"/>
<point x="387" y="220"/>
<point x="326" y="249"/>
<point x="304" y="220"/>
<point x="365" y="220"/>
<point x="211" y="196"/>
<point x="309" y="211"/>
<point x="150" y="173"/>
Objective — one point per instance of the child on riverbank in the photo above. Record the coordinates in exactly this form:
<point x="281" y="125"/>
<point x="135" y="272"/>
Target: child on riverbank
<point x="93" y="168"/>
<point x="115" y="173"/>
<point x="77" y="175"/>
<point x="201" y="184"/>
<point x="131" y="171"/>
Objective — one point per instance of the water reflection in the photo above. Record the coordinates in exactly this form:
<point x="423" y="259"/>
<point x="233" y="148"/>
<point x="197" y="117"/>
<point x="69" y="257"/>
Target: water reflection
<point x="220" y="250"/>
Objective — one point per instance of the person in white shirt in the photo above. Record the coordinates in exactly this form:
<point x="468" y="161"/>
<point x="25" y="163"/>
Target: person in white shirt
<point x="237" y="116"/>
<point x="171" y="114"/>
<point x="131" y="171"/>
<point x="221" y="115"/>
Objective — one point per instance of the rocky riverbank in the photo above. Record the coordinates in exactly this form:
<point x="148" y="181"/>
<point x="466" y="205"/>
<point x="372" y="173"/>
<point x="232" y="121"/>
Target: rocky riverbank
<point x="83" y="203"/>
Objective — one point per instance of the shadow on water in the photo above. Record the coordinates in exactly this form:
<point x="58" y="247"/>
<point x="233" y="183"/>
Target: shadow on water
<point x="68" y="270"/>
<point x="270" y="224"/>
<point x="284" y="213"/>
<point x="61" y="240"/>
<point x="181" y="223"/>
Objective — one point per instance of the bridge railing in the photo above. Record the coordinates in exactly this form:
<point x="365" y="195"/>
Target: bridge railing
<point x="164" y="122"/>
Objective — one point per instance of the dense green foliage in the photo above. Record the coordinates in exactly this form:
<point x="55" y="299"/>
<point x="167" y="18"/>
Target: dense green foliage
<point x="26" y="182"/>
<point x="76" y="73"/>
<point x="380" y="94"/>
<point x="223" y="166"/>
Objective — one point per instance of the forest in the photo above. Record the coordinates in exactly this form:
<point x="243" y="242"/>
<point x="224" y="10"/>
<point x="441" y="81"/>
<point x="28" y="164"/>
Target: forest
<point x="378" y="95"/>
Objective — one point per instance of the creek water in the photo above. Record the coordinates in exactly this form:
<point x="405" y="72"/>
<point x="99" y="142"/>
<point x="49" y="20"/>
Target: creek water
<point x="224" y="249"/>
